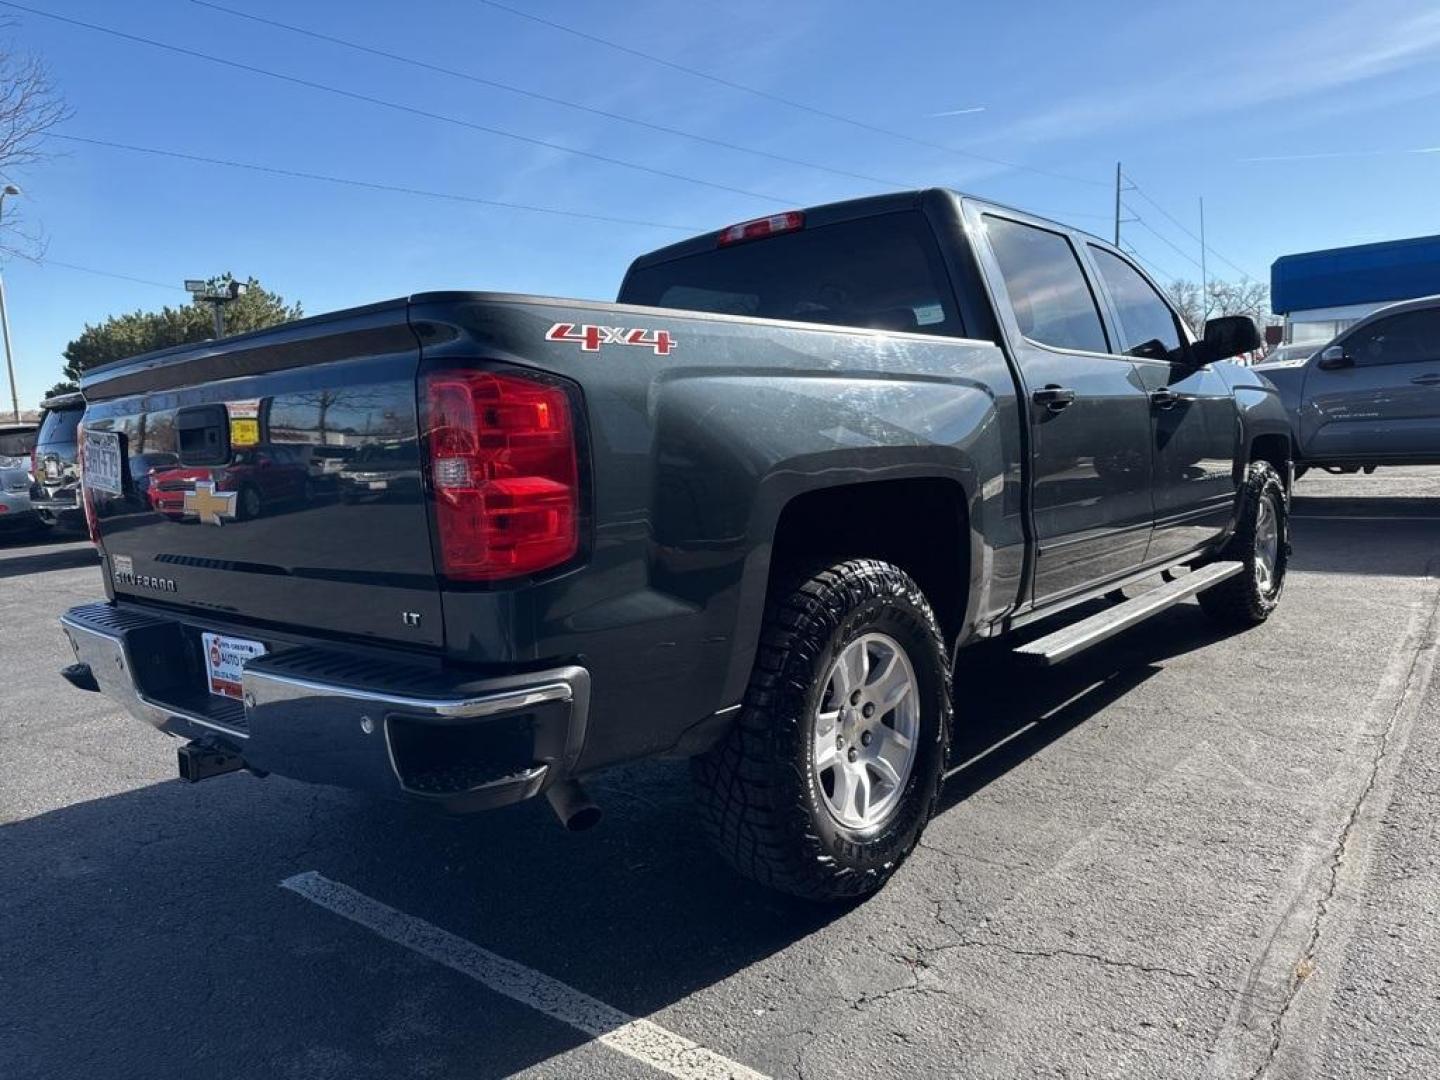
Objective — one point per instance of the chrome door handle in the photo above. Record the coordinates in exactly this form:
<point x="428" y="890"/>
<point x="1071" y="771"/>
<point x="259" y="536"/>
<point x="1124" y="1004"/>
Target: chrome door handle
<point x="1054" y="398"/>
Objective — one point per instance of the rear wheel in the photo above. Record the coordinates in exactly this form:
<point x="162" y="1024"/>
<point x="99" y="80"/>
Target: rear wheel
<point x="250" y="503"/>
<point x="1262" y="543"/>
<point x="834" y="767"/>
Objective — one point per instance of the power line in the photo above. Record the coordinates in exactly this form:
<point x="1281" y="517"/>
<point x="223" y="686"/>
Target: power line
<point x="106" y="273"/>
<point x="537" y="96"/>
<point x="1163" y="238"/>
<point x="401" y="189"/>
<point x="1160" y="272"/>
<point x="373" y="185"/>
<point x="1185" y="229"/>
<point x="394" y="105"/>
<point x="778" y="99"/>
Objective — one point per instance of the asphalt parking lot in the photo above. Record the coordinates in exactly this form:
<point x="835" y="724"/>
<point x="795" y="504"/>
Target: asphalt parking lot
<point x="1182" y="854"/>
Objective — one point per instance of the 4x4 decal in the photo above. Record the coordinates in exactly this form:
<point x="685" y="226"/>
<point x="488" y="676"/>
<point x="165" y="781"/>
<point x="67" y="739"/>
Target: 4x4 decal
<point x="592" y="337"/>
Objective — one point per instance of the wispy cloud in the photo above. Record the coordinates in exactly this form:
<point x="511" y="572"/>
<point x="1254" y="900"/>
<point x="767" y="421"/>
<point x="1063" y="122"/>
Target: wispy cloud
<point x="1342" y="154"/>
<point x="960" y="112"/>
<point x="1356" y="43"/>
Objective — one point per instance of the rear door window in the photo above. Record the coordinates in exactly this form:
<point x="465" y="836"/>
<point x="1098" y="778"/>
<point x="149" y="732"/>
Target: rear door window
<point x="1048" y="291"/>
<point x="883" y="272"/>
<point x="1147" y="325"/>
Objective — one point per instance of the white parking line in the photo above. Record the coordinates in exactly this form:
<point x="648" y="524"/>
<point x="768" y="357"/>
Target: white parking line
<point x="640" y="1039"/>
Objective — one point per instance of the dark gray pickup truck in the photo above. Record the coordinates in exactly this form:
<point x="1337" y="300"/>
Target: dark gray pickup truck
<point x="745" y="515"/>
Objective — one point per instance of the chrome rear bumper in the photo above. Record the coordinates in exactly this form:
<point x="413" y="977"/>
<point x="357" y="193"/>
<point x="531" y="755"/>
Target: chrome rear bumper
<point x="320" y="715"/>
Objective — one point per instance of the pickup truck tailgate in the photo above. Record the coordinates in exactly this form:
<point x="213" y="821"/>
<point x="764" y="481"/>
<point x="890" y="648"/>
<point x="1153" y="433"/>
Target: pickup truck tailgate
<point x="274" y="478"/>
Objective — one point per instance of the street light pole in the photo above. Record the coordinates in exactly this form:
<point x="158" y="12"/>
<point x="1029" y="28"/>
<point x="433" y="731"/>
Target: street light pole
<point x="217" y="293"/>
<point x="9" y="189"/>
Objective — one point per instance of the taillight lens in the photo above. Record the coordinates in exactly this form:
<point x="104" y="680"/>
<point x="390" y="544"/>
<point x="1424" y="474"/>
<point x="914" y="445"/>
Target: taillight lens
<point x="501" y="454"/>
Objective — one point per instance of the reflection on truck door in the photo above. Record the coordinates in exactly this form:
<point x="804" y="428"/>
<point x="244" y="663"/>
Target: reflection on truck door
<point x="1192" y="414"/>
<point x="1091" y="452"/>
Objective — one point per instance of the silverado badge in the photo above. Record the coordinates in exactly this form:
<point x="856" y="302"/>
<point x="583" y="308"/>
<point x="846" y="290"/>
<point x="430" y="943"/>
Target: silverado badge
<point x="210" y="506"/>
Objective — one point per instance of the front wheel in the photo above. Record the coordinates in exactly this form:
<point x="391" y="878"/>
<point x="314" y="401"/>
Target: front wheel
<point x="1261" y="542"/>
<point x="833" y="768"/>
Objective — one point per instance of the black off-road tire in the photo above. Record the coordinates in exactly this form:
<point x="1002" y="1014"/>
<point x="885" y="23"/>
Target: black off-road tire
<point x="758" y="794"/>
<point x="1239" y="600"/>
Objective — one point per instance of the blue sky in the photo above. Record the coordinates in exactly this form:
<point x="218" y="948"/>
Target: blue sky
<point x="1188" y="95"/>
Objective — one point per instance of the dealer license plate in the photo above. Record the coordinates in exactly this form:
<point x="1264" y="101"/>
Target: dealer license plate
<point x="224" y="659"/>
<point x="102" y="461"/>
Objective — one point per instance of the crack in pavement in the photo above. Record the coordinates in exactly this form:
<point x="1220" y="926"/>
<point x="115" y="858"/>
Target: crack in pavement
<point x="1080" y="954"/>
<point x="1305" y="966"/>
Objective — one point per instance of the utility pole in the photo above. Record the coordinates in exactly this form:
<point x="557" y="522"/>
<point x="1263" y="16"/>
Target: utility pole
<point x="9" y="189"/>
<point x="1117" y="204"/>
<point x="1204" y="277"/>
<point x="9" y="364"/>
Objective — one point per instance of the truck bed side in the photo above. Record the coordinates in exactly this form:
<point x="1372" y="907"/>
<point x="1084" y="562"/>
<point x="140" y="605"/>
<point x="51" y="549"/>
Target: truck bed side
<point x="694" y="457"/>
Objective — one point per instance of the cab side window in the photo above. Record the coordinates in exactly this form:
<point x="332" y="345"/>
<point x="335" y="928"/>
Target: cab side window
<point x="1408" y="338"/>
<point x="1051" y="298"/>
<point x="1147" y="325"/>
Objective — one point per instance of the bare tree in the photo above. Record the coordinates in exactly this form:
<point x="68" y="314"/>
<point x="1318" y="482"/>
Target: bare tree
<point x="1243" y="297"/>
<point x="30" y="107"/>
<point x="1185" y="295"/>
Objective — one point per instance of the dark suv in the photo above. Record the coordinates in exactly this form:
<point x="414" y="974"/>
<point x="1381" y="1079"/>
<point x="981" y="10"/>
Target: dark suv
<point x="55" y="462"/>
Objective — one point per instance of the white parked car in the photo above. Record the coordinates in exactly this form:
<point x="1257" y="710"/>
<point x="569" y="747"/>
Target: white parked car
<point x="16" y="512"/>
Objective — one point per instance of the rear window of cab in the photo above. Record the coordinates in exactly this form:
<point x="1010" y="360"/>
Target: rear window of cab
<point x="882" y="272"/>
<point x="59" y="426"/>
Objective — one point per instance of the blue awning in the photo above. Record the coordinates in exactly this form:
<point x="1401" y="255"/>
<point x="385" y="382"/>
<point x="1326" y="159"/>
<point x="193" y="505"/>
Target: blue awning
<point x="1366" y="273"/>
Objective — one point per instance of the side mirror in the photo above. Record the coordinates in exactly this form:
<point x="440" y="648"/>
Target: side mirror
<point x="1335" y="357"/>
<point x="1227" y="336"/>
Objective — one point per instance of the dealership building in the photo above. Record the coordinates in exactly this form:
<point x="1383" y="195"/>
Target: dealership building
<point x="1320" y="293"/>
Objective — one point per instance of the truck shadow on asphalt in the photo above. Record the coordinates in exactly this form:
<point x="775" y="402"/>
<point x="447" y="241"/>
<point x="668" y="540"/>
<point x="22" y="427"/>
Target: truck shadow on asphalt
<point x="1396" y="536"/>
<point x="37" y="562"/>
<point x="1008" y="708"/>
<point x="157" y="911"/>
<point x="155" y="915"/>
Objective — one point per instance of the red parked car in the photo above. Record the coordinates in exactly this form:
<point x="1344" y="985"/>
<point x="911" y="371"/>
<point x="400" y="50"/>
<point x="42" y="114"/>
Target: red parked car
<point x="262" y="475"/>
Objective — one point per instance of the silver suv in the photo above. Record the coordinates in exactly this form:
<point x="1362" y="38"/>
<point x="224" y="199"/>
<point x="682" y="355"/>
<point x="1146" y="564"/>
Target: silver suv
<point x="1372" y="396"/>
<point x="56" y="462"/>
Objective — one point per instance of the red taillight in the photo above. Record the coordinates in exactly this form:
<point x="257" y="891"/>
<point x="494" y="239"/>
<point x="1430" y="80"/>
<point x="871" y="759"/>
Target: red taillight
<point x="501" y="454"/>
<point x="765" y="226"/>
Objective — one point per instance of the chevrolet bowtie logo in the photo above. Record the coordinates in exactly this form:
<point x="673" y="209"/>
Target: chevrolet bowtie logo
<point x="210" y="506"/>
